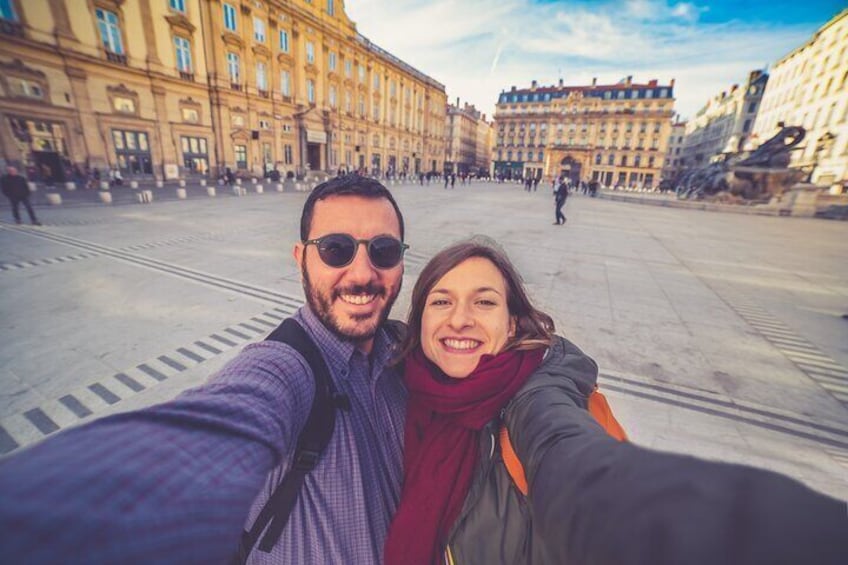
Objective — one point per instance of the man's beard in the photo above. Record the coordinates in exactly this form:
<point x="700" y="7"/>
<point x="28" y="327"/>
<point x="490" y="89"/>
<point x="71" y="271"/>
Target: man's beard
<point x="321" y="305"/>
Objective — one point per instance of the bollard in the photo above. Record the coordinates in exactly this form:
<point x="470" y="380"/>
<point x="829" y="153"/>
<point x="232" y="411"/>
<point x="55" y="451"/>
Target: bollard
<point x="210" y="190"/>
<point x="297" y="187"/>
<point x="237" y="190"/>
<point x="202" y="182"/>
<point x="181" y="193"/>
<point x="105" y="196"/>
<point x="70" y="185"/>
<point x="259" y="189"/>
<point x="133" y="184"/>
<point x="32" y="186"/>
<point x="238" y="182"/>
<point x="253" y="180"/>
<point x="279" y="187"/>
<point x="104" y="185"/>
<point x="181" y="183"/>
<point x="54" y="199"/>
<point x="160" y="184"/>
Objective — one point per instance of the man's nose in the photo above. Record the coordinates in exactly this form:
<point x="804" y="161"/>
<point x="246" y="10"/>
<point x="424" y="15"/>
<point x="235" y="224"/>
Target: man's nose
<point x="360" y="267"/>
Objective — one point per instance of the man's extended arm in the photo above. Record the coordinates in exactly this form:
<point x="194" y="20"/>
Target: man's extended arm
<point x="167" y="484"/>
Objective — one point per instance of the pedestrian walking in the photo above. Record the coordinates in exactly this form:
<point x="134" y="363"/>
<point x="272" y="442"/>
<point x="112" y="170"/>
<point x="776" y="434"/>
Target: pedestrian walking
<point x="447" y="180"/>
<point x="453" y="179"/>
<point x="560" y="196"/>
<point x="536" y="183"/>
<point x="16" y="189"/>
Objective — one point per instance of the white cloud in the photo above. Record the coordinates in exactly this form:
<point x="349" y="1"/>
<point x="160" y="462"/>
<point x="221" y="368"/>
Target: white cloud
<point x="478" y="48"/>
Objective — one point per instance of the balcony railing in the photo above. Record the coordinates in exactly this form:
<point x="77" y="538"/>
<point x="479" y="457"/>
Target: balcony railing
<point x="185" y="75"/>
<point x="9" y="27"/>
<point x="235" y="86"/>
<point x="263" y="93"/>
<point x="119" y="58"/>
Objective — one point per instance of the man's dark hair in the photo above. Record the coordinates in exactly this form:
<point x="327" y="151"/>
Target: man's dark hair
<point x="348" y="185"/>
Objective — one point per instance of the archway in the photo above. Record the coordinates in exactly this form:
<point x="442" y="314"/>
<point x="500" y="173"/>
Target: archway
<point x="570" y="167"/>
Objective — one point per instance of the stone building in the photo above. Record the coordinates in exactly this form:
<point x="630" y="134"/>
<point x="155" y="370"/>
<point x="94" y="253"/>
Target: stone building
<point x="673" y="165"/>
<point x="725" y="124"/>
<point x="616" y="133"/>
<point x="466" y="149"/>
<point x="483" y="154"/>
<point x="809" y="87"/>
<point x="178" y="87"/>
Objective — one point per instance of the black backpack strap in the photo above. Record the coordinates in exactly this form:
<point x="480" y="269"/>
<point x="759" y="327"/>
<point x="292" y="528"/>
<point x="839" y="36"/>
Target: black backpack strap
<point x="313" y="440"/>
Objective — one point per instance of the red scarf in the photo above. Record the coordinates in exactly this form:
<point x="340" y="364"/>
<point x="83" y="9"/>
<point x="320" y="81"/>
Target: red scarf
<point x="441" y="446"/>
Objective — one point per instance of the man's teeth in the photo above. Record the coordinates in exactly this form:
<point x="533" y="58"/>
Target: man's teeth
<point x="461" y="343"/>
<point x="358" y="299"/>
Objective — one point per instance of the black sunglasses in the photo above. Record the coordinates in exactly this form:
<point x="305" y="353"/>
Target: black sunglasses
<point x="337" y="250"/>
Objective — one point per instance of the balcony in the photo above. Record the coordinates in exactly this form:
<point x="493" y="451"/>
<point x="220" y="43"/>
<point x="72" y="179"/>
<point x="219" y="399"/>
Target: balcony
<point x="235" y="86"/>
<point x="187" y="76"/>
<point x="9" y="27"/>
<point x="263" y="93"/>
<point x="116" y="58"/>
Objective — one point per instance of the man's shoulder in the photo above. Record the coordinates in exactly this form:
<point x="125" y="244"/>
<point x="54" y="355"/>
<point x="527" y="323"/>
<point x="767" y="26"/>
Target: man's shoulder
<point x="395" y="331"/>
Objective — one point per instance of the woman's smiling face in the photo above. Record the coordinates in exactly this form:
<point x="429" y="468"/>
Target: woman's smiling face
<point x="465" y="317"/>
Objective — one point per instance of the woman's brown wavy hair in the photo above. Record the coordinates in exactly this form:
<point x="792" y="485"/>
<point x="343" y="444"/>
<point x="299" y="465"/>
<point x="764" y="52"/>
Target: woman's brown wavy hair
<point x="533" y="328"/>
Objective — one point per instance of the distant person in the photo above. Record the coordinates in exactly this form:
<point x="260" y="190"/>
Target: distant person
<point x="560" y="196"/>
<point x="536" y="183"/>
<point x="16" y="188"/>
<point x="453" y="179"/>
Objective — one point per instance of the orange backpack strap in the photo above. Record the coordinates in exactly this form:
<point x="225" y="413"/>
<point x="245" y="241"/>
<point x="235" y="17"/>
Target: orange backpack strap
<point x="599" y="408"/>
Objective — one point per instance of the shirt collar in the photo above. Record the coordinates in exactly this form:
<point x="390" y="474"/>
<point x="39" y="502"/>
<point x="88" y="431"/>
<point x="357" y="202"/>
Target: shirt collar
<point x="339" y="352"/>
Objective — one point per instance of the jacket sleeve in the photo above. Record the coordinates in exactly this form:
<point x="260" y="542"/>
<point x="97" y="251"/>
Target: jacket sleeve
<point x="596" y="501"/>
<point x="168" y="484"/>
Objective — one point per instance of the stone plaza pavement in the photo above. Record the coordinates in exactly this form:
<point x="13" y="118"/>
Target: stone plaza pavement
<point x="718" y="335"/>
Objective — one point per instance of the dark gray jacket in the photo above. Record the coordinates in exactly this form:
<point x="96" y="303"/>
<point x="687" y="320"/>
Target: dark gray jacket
<point x="595" y="501"/>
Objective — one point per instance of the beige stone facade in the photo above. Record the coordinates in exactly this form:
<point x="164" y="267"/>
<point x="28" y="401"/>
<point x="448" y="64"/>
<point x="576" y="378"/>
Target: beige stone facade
<point x="468" y="149"/>
<point x="725" y="124"/>
<point x="169" y="88"/>
<point x="674" y="162"/>
<point x="809" y="87"/>
<point x="615" y="134"/>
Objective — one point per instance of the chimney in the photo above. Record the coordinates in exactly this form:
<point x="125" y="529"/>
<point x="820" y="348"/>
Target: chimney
<point x="513" y="89"/>
<point x="560" y="83"/>
<point x="594" y="81"/>
<point x="629" y="80"/>
<point x="457" y="102"/>
<point x="671" y="84"/>
<point x="533" y="85"/>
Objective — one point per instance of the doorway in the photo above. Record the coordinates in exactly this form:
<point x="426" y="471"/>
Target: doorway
<point x="313" y="156"/>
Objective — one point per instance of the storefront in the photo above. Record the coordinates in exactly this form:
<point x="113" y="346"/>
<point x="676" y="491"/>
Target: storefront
<point x="132" y="151"/>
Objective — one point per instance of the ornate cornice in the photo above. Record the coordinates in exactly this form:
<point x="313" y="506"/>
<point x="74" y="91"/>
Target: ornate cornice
<point x="179" y="22"/>
<point x="231" y="38"/>
<point x="260" y="49"/>
<point x="18" y="67"/>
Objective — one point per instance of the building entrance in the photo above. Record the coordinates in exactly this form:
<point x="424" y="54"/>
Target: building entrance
<point x="313" y="156"/>
<point x="571" y="168"/>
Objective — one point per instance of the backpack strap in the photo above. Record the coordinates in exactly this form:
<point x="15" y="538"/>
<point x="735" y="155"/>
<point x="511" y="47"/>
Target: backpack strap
<point x="311" y="443"/>
<point x="598" y="407"/>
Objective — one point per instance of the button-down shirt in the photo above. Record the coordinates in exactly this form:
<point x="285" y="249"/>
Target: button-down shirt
<point x="174" y="483"/>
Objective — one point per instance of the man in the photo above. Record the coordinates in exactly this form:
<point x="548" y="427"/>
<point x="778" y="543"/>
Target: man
<point x="560" y="195"/>
<point x="138" y="487"/>
<point x="16" y="189"/>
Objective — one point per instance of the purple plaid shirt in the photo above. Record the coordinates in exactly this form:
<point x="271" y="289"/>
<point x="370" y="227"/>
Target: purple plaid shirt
<point x="174" y="482"/>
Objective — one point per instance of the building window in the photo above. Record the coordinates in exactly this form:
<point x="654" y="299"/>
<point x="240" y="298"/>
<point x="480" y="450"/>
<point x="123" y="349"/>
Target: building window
<point x="651" y="162"/>
<point x="238" y="120"/>
<point x="183" y="47"/>
<point x="348" y="102"/>
<point x="746" y="126"/>
<point x="190" y="115"/>
<point x="132" y="151"/>
<point x="331" y="61"/>
<point x="230" y="21"/>
<point x="331" y="8"/>
<point x="285" y="83"/>
<point x="287" y="155"/>
<point x="348" y="68"/>
<point x="241" y="156"/>
<point x="110" y="31"/>
<point x="261" y="77"/>
<point x="234" y="67"/>
<point x="332" y="96"/>
<point x="392" y="88"/>
<point x="541" y="156"/>
<point x="752" y="107"/>
<point x="310" y="52"/>
<point x="362" y="74"/>
<point x="611" y="159"/>
<point x="376" y="112"/>
<point x="195" y="154"/>
<point x="637" y="161"/>
<point x="598" y="159"/>
<point x="376" y="81"/>
<point x="284" y="41"/>
<point x="178" y="5"/>
<point x="624" y="160"/>
<point x="310" y="91"/>
<point x="7" y="11"/>
<point x="259" y="30"/>
<point x="529" y="155"/>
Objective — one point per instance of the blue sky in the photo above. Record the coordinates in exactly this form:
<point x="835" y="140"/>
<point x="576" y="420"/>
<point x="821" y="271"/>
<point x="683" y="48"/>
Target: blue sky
<point x="479" y="47"/>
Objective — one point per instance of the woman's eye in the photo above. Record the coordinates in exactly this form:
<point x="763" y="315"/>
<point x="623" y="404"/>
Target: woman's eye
<point x="485" y="302"/>
<point x="438" y="302"/>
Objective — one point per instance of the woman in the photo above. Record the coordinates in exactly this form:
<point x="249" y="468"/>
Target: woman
<point x="474" y="363"/>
